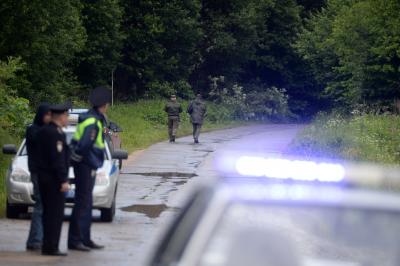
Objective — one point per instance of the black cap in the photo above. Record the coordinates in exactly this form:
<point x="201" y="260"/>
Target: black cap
<point x="61" y="107"/>
<point x="100" y="96"/>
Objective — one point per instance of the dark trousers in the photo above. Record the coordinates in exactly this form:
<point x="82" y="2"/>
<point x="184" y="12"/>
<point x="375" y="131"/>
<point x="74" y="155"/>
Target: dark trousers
<point x="53" y="201"/>
<point x="81" y="217"/>
<point x="173" y="124"/>
<point x="196" y="130"/>
<point x="35" y="237"/>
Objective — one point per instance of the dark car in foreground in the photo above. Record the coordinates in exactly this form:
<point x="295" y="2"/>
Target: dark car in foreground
<point x="291" y="213"/>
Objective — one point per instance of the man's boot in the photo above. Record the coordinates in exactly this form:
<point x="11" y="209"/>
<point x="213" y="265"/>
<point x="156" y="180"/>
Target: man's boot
<point x="173" y="138"/>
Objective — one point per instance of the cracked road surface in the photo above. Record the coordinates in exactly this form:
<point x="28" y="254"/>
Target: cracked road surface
<point x="151" y="190"/>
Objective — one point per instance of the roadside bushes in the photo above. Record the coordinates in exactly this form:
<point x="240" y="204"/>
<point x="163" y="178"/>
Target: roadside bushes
<point x="366" y="137"/>
<point x="262" y="103"/>
<point x="14" y="111"/>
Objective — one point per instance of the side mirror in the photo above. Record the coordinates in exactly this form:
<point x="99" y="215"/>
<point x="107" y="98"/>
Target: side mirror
<point x="114" y="127"/>
<point x="9" y="149"/>
<point x="119" y="154"/>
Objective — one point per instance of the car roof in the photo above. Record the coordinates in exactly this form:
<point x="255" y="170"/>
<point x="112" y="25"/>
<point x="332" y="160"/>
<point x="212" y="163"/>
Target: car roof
<point x="303" y="193"/>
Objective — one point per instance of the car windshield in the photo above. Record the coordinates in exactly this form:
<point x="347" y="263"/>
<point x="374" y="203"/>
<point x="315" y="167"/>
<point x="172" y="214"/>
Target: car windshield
<point x="68" y="135"/>
<point x="304" y="236"/>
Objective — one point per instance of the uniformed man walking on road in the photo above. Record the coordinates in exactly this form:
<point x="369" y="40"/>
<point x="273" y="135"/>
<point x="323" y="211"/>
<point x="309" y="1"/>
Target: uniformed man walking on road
<point x="173" y="109"/>
<point x="197" y="110"/>
<point x="87" y="154"/>
<point x="53" y="177"/>
<point x="43" y="117"/>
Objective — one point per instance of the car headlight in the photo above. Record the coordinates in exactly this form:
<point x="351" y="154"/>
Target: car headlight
<point x="20" y="175"/>
<point x="102" y="179"/>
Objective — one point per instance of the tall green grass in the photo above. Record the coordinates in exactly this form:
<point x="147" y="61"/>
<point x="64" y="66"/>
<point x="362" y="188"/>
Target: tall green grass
<point x="5" y="138"/>
<point x="367" y="137"/>
<point x="145" y="122"/>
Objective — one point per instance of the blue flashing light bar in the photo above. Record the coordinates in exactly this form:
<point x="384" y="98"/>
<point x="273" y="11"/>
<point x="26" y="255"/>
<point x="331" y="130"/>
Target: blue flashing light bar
<point x="289" y="169"/>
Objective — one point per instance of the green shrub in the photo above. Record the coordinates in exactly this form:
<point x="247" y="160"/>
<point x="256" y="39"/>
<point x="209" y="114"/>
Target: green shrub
<point x="366" y="137"/>
<point x="157" y="89"/>
<point x="261" y="103"/>
<point x="5" y="138"/>
<point x="14" y="111"/>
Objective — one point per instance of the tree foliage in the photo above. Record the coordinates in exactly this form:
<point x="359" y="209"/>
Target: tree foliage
<point x="353" y="48"/>
<point x="46" y="35"/>
<point x="14" y="110"/>
<point x="319" y="53"/>
<point x="101" y="54"/>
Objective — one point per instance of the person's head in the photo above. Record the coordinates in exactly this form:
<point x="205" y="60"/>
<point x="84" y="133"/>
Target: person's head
<point x="59" y="114"/>
<point x="198" y="96"/>
<point x="60" y="118"/>
<point x="173" y="98"/>
<point x="43" y="115"/>
<point x="100" y="99"/>
<point x="47" y="118"/>
<point x="103" y="109"/>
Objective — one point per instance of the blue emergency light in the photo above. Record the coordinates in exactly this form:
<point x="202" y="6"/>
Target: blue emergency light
<point x="285" y="169"/>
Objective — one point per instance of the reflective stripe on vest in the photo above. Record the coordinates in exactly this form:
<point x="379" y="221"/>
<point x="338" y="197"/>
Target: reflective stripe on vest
<point x="80" y="129"/>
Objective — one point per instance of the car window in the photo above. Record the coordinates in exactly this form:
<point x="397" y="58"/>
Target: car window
<point x="305" y="236"/>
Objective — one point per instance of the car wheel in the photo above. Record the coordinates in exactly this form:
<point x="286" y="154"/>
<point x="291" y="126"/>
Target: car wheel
<point x="14" y="211"/>
<point x="107" y="214"/>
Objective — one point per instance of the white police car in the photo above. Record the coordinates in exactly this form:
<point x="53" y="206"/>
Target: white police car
<point x="281" y="212"/>
<point x="20" y="188"/>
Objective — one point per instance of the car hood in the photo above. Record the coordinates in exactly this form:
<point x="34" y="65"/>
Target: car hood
<point x="21" y="163"/>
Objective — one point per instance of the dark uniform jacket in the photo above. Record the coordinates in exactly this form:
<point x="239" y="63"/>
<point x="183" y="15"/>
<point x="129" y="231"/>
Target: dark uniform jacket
<point x="53" y="154"/>
<point x="91" y="155"/>
<point x="32" y="140"/>
<point x="197" y="110"/>
<point x="173" y="109"/>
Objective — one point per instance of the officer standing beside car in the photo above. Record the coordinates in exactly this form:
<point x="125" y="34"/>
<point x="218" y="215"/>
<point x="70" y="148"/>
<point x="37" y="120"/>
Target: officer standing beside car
<point x="87" y="155"/>
<point x="42" y="117"/>
<point x="197" y="110"/>
<point x="53" y="177"/>
<point x="173" y="109"/>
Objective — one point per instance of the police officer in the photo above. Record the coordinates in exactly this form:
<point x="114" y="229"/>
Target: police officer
<point x="87" y="154"/>
<point x="53" y="177"/>
<point x="197" y="110"/>
<point x="42" y="117"/>
<point x="173" y="109"/>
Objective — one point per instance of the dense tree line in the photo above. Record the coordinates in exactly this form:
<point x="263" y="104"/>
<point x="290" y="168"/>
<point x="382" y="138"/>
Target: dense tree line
<point x="323" y="53"/>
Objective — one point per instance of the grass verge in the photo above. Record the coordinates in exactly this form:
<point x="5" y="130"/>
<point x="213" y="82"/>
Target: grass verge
<point x="374" y="138"/>
<point x="5" y="138"/>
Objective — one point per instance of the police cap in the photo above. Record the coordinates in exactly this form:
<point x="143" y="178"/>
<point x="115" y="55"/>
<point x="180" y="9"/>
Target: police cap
<point x="100" y="96"/>
<point x="61" y="107"/>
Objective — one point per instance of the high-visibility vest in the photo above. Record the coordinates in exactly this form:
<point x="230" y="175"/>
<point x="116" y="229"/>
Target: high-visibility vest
<point x="80" y="129"/>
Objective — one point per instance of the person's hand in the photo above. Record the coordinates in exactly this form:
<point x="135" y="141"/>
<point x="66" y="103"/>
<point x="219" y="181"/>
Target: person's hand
<point x="64" y="187"/>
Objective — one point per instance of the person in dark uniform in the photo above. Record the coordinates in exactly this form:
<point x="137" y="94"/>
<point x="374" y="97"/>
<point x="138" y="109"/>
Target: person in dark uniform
<point x="87" y="154"/>
<point x="173" y="109"/>
<point x="53" y="177"/>
<point x="197" y="110"/>
<point x="42" y="117"/>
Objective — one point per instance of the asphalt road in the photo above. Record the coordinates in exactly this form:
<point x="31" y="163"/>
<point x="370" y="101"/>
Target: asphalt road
<point x="152" y="188"/>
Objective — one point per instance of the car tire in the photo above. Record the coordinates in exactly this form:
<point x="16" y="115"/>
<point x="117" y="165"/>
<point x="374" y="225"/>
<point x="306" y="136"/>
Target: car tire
<point x="107" y="214"/>
<point x="14" y="211"/>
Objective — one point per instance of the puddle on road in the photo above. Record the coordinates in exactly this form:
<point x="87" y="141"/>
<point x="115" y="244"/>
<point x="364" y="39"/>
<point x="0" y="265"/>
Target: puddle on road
<point x="151" y="211"/>
<point x="164" y="174"/>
